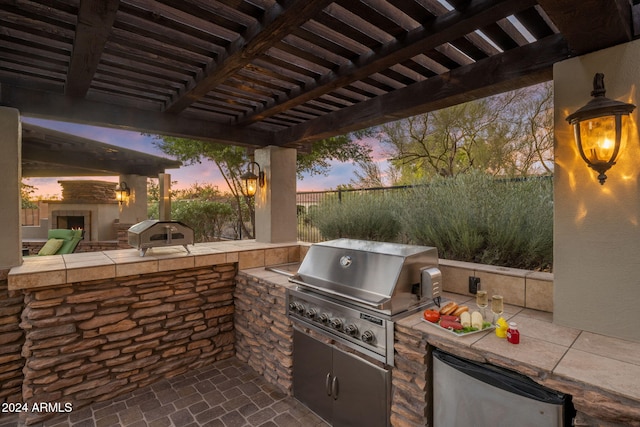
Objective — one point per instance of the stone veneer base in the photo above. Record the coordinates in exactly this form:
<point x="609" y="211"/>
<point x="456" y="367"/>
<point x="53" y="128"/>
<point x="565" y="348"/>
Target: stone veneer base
<point x="91" y="341"/>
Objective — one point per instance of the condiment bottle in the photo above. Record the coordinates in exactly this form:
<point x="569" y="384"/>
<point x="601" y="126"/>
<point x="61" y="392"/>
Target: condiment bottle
<point x="513" y="335"/>
<point x="501" y="328"/>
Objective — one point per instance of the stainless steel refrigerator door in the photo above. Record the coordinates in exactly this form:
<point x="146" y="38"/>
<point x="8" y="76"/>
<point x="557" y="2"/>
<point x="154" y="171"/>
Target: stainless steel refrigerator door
<point x="460" y="399"/>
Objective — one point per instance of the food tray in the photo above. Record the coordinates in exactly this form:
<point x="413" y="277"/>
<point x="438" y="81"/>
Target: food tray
<point x="458" y="334"/>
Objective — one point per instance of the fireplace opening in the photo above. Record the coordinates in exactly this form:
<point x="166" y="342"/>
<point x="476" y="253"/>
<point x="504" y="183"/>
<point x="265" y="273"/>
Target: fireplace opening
<point x="70" y="219"/>
<point x="71" y="222"/>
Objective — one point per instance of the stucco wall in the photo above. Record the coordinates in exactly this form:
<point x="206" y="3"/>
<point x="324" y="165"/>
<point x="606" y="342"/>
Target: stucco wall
<point x="10" y="165"/>
<point x="596" y="227"/>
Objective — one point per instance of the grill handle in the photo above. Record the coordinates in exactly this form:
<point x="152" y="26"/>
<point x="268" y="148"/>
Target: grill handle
<point x="334" y="388"/>
<point x="379" y="304"/>
<point x="169" y="229"/>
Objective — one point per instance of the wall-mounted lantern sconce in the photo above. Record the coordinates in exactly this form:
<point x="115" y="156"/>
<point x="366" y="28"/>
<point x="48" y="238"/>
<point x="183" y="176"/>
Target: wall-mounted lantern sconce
<point x="122" y="192"/>
<point x="251" y="181"/>
<point x="598" y="129"/>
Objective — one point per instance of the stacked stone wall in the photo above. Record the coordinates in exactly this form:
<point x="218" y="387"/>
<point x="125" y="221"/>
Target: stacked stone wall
<point x="11" y="340"/>
<point x="92" y="341"/>
<point x="411" y="379"/>
<point x="87" y="191"/>
<point x="264" y="334"/>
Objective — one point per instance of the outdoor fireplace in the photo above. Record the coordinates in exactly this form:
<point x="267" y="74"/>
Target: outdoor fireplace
<point x="72" y="219"/>
<point x="88" y="205"/>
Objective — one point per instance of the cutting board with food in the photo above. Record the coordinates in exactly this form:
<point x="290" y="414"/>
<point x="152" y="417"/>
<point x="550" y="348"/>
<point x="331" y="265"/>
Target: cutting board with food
<point x="457" y="319"/>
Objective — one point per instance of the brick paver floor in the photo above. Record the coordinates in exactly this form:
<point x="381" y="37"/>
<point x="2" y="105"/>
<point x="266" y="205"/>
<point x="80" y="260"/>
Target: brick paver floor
<point x="227" y="394"/>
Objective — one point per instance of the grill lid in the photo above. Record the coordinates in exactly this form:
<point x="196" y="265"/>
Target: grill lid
<point x="373" y="273"/>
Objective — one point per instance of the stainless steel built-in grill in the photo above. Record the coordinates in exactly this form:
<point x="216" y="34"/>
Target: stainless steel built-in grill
<point x="152" y="233"/>
<point x="356" y="289"/>
<point x="352" y="292"/>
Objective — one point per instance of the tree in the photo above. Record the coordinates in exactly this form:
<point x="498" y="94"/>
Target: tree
<point x="26" y="193"/>
<point x="343" y="148"/>
<point x="231" y="162"/>
<point x="368" y="174"/>
<point x="536" y="115"/>
<point x="507" y="134"/>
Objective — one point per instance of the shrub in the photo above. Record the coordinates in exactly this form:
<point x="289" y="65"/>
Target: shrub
<point x="478" y="218"/>
<point x="361" y="216"/>
<point x="206" y="218"/>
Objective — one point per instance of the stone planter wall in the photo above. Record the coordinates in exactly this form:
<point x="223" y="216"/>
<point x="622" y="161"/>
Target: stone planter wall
<point x="264" y="334"/>
<point x="92" y="341"/>
<point x="11" y="340"/>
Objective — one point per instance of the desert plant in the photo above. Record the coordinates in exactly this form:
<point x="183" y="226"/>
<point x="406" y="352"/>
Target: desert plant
<point x="477" y="218"/>
<point x="362" y="216"/>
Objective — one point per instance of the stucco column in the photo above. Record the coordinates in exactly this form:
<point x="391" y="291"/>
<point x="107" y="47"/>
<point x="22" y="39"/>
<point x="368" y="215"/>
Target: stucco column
<point x="276" y="220"/>
<point x="134" y="210"/>
<point x="11" y="167"/>
<point x="597" y="227"/>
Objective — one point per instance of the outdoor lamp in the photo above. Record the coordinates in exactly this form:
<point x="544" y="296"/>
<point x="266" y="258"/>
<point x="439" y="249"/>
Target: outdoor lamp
<point x="598" y="129"/>
<point x="251" y="181"/>
<point x="122" y="192"/>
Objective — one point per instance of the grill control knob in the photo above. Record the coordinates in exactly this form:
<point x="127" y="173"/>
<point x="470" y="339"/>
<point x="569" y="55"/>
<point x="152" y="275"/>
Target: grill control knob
<point x="293" y="306"/>
<point x="336" y="324"/>
<point x="311" y="313"/>
<point x="324" y="318"/>
<point x="351" y="330"/>
<point x="296" y="307"/>
<point x="368" y="337"/>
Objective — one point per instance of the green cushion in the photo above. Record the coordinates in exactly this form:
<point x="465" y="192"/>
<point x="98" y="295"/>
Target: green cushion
<point x="51" y="247"/>
<point x="71" y="239"/>
<point x="61" y="233"/>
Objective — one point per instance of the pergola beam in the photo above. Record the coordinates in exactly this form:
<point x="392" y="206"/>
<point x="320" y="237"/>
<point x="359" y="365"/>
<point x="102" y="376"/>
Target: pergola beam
<point x="48" y="105"/>
<point x="95" y="19"/>
<point x="594" y="25"/>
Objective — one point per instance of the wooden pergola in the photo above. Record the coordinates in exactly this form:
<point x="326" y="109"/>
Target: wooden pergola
<point x="286" y="72"/>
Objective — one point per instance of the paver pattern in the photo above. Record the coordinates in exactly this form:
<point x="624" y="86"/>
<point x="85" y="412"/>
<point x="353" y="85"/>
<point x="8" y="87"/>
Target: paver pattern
<point x="226" y="394"/>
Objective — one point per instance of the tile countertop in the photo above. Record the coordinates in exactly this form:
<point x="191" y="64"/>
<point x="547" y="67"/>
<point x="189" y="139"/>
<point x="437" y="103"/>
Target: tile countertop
<point x="55" y="270"/>
<point x="565" y="359"/>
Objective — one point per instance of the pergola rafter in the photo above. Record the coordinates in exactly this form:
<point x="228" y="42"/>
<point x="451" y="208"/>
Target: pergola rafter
<point x="283" y="72"/>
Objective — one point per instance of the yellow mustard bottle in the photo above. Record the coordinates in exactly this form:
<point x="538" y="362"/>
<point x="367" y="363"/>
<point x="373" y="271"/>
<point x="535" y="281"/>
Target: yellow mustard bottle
<point x="501" y="328"/>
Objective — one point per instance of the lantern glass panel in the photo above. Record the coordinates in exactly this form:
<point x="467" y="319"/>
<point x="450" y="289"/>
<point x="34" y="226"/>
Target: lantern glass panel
<point x="251" y="186"/>
<point x="598" y="138"/>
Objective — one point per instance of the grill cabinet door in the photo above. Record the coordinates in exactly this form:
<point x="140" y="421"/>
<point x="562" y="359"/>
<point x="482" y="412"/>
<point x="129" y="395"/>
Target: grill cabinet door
<point x="312" y="362"/>
<point x="363" y="392"/>
<point x="343" y="389"/>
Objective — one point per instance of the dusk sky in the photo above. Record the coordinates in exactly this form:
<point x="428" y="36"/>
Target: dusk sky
<point x="206" y="172"/>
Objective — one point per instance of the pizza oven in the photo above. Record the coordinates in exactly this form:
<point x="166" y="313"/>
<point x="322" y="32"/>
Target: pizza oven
<point x="153" y="233"/>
